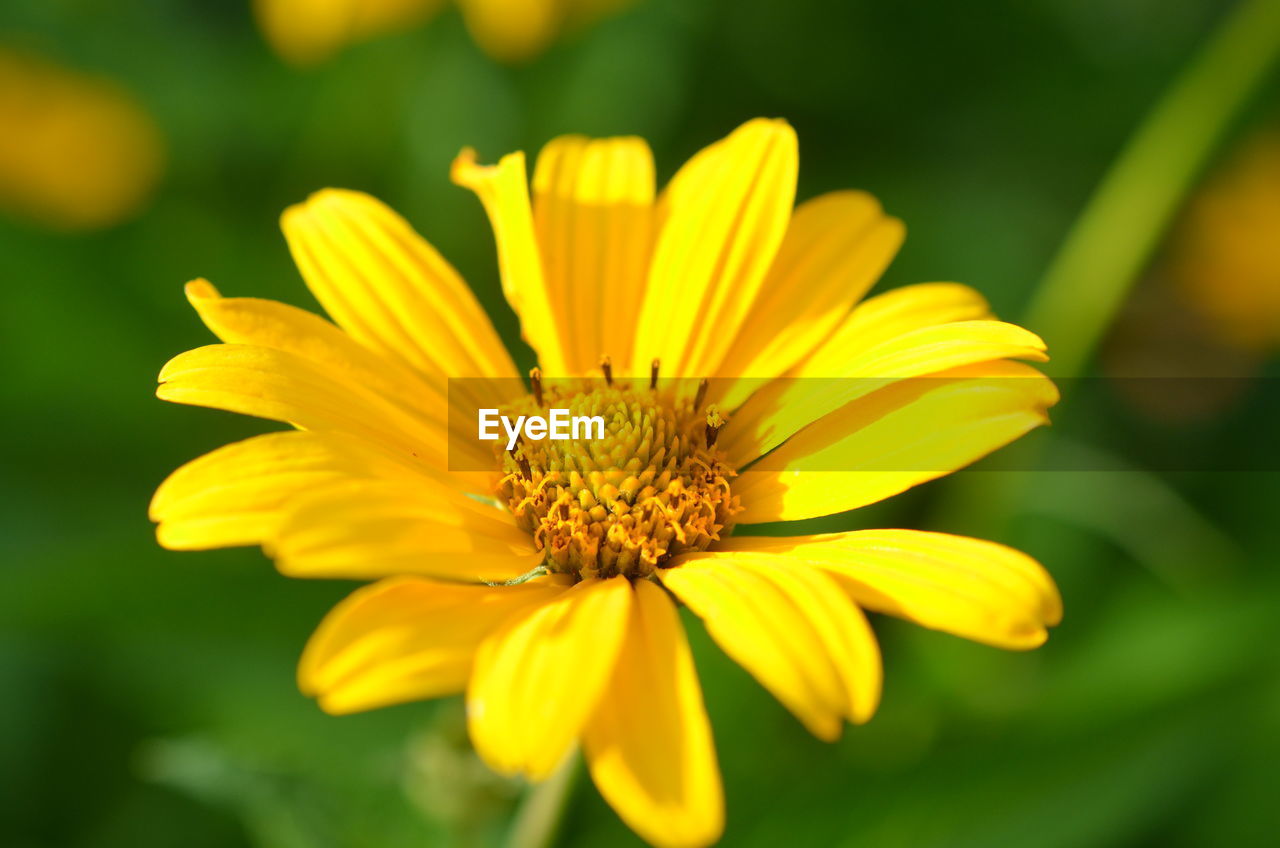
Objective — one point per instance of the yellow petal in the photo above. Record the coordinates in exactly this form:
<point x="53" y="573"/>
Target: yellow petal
<point x="973" y="588"/>
<point x="282" y="386"/>
<point x="512" y="31"/>
<point x="897" y="437"/>
<point x="235" y="495"/>
<point x="405" y="639"/>
<point x="538" y="679"/>
<point x="649" y="746"/>
<point x="873" y="322"/>
<point x="836" y="247"/>
<point x="933" y="347"/>
<point x="305" y="32"/>
<point x="723" y="217"/>
<point x="834" y="378"/>
<point x="78" y="151"/>
<point x="390" y="289"/>
<point x="504" y="192"/>
<point x="269" y="323"/>
<point x="902" y="310"/>
<point x="793" y="628"/>
<point x="593" y="214"/>
<point x="368" y="529"/>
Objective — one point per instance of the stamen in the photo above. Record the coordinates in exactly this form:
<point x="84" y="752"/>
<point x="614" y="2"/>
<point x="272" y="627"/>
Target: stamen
<point x="715" y="421"/>
<point x="653" y="374"/>
<point x="535" y="379"/>
<point x="701" y="395"/>
<point x="629" y="503"/>
<point x="517" y="453"/>
<point x="606" y="365"/>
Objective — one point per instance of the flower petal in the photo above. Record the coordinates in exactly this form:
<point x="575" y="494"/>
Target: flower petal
<point x="305" y="32"/>
<point x="593" y="213"/>
<point x="538" y="679"/>
<point x="269" y="323"/>
<point x="504" y="191"/>
<point x="406" y="639"/>
<point x="873" y="322"/>
<point x="836" y="247"/>
<point x="390" y="289"/>
<point x="512" y="32"/>
<point x="723" y="218"/>
<point x="368" y="529"/>
<point x="649" y="746"/>
<point x="79" y="151"/>
<point x="282" y="386"/>
<point x="236" y="494"/>
<point x="897" y="437"/>
<point x="902" y="310"/>
<point x="973" y="588"/>
<point x="793" y="628"/>
<point x="782" y="408"/>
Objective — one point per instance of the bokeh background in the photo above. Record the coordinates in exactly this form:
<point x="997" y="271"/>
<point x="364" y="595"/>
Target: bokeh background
<point x="147" y="697"/>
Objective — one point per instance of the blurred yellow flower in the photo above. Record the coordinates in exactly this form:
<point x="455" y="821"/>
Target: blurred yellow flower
<point x="546" y="588"/>
<point x="1226" y="258"/>
<point x="77" y="151"/>
<point x="309" y="31"/>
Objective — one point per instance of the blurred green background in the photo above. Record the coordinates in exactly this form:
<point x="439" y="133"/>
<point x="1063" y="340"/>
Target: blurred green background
<point x="148" y="696"/>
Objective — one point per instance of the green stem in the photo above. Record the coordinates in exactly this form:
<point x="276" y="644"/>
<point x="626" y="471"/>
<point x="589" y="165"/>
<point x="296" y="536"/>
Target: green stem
<point x="537" y="822"/>
<point x="1091" y="274"/>
<point x="1098" y="263"/>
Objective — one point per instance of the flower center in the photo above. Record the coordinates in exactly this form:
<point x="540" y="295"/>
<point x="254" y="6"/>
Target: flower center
<point x="652" y="488"/>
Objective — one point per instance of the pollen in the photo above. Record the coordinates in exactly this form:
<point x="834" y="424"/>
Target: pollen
<point x="652" y="488"/>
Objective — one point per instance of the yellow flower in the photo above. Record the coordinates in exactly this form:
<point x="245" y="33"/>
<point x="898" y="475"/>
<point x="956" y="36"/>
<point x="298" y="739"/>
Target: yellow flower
<point x="1225" y="261"/>
<point x="77" y="152"/>
<point x="309" y="31"/>
<point x="718" y="276"/>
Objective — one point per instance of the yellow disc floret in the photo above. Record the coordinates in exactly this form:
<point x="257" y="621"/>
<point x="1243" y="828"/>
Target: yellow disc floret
<point x="651" y="488"/>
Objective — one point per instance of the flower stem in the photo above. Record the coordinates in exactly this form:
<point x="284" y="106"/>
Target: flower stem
<point x="1106" y="249"/>
<point x="1121" y="225"/>
<point x="537" y="822"/>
